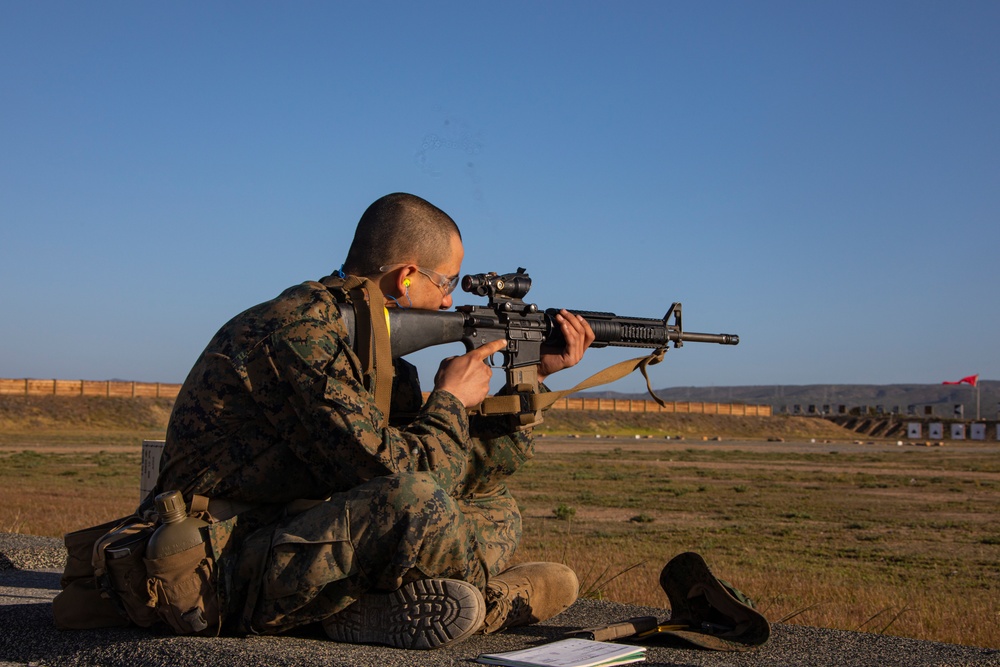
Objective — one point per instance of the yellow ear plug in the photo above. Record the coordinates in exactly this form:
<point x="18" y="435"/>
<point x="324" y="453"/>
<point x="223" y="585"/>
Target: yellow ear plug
<point x="406" y="282"/>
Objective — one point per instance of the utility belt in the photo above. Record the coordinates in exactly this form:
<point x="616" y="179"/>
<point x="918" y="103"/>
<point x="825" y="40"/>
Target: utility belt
<point x="124" y="572"/>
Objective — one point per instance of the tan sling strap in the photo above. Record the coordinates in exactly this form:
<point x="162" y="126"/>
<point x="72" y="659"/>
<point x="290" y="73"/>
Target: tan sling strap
<point x="529" y="403"/>
<point x="372" y="348"/>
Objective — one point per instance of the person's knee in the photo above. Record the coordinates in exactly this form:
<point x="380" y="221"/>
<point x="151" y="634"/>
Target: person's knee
<point x="414" y="493"/>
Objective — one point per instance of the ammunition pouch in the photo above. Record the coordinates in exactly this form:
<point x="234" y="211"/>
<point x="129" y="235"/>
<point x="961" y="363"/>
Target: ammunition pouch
<point x="80" y="604"/>
<point x="120" y="570"/>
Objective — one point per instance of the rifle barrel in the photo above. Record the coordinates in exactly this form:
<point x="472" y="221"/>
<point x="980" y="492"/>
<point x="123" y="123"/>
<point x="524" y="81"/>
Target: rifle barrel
<point x="721" y="339"/>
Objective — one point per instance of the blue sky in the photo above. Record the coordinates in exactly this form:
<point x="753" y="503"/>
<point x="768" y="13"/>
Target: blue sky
<point x="821" y="178"/>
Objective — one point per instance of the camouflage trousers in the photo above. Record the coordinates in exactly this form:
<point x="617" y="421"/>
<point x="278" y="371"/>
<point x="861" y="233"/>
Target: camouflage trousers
<point x="376" y="537"/>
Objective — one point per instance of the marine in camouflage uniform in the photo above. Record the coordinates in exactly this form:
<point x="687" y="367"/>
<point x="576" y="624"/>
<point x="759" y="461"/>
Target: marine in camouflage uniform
<point x="275" y="411"/>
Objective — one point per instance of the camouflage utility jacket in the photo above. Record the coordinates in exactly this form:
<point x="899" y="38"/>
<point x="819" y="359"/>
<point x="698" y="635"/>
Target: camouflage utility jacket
<point x="275" y="410"/>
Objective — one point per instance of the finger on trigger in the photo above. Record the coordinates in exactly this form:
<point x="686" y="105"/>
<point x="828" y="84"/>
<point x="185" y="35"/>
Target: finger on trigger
<point x="492" y="347"/>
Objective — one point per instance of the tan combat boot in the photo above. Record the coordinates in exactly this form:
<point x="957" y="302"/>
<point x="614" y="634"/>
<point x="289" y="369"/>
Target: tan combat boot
<point x="423" y="614"/>
<point x="528" y="593"/>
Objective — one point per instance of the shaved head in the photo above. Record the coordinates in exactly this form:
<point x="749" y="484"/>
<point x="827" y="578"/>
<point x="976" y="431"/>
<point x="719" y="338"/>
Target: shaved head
<point x="400" y="229"/>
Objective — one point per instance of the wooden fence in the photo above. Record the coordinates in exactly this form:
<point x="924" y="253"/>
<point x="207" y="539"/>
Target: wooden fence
<point x="640" y="405"/>
<point x="636" y="405"/>
<point x="30" y="387"/>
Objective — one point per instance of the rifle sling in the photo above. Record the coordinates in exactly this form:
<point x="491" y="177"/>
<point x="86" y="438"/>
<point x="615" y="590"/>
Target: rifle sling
<point x="372" y="335"/>
<point x="515" y="403"/>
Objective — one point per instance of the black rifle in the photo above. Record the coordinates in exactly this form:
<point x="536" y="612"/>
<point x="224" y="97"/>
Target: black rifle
<point x="526" y="329"/>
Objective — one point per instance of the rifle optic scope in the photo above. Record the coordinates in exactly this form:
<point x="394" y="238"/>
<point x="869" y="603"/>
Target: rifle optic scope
<point x="510" y="285"/>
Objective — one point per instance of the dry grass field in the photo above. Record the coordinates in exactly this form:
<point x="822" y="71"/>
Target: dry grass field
<point x="818" y="529"/>
<point x="874" y="537"/>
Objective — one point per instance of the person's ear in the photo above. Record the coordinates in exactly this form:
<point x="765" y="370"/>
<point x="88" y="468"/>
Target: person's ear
<point x="405" y="277"/>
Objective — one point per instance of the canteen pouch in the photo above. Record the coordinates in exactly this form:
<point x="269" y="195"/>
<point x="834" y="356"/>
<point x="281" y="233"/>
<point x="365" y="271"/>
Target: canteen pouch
<point x="181" y="589"/>
<point x="80" y="604"/>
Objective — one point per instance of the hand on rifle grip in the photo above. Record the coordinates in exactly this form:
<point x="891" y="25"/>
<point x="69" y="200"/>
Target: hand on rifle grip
<point x="468" y="377"/>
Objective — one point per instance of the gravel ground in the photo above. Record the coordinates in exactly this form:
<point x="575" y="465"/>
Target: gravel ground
<point x="29" y="578"/>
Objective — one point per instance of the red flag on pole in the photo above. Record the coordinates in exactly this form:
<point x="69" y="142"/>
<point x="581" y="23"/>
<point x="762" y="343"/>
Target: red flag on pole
<point x="972" y="379"/>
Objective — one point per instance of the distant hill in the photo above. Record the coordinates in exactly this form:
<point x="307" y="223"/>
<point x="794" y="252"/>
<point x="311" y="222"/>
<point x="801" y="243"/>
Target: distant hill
<point x="940" y="398"/>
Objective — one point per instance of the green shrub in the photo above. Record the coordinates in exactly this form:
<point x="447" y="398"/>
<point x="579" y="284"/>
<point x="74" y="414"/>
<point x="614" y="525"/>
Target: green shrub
<point x="564" y="512"/>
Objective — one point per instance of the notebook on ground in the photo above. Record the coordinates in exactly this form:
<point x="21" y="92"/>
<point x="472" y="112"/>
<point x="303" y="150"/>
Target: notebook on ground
<point x="568" y="653"/>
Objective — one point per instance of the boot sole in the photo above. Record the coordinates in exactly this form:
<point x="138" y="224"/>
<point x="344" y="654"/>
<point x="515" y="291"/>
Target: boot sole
<point x="423" y="614"/>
